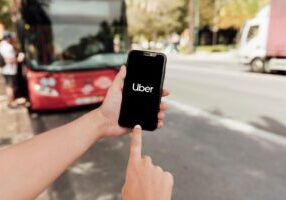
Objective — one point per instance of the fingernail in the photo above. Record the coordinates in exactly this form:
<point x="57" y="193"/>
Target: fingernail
<point x="137" y="126"/>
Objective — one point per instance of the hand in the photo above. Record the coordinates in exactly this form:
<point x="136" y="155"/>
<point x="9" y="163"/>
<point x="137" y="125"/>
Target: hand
<point x="110" y="108"/>
<point x="144" y="181"/>
<point x="21" y="57"/>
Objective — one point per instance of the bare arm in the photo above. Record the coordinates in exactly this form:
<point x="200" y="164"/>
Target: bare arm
<point x="30" y="167"/>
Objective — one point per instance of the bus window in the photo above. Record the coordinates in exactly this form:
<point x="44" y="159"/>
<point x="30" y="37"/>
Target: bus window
<point x="83" y="34"/>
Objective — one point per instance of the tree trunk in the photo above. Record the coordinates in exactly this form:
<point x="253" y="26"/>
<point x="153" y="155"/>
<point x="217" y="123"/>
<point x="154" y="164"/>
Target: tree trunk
<point x="191" y="11"/>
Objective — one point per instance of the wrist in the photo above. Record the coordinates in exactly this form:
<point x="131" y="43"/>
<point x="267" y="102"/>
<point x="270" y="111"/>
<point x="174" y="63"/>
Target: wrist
<point x="98" y="124"/>
<point x="91" y="127"/>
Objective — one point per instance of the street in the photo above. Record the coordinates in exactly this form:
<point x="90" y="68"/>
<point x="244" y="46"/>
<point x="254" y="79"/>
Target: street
<point x="223" y="138"/>
<point x="224" y="132"/>
<point x="229" y="90"/>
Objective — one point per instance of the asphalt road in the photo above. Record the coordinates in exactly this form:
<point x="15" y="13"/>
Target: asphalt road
<point x="210" y="156"/>
<point x="228" y="89"/>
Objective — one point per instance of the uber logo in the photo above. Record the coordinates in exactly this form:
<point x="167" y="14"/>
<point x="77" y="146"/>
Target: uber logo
<point x="141" y="88"/>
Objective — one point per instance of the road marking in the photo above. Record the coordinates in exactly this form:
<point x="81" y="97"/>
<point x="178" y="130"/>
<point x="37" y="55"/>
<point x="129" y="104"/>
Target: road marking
<point x="230" y="124"/>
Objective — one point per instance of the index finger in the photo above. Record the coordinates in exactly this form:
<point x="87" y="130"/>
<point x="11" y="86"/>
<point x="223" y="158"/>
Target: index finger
<point x="136" y="144"/>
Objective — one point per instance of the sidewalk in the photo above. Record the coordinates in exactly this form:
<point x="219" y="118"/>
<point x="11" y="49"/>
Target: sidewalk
<point x="2" y="89"/>
<point x="15" y="125"/>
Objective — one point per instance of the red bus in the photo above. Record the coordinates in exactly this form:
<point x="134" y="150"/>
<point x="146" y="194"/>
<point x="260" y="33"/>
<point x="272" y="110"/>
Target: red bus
<point x="73" y="49"/>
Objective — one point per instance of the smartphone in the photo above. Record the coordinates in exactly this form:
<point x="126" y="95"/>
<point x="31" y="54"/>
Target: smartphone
<point x="142" y="90"/>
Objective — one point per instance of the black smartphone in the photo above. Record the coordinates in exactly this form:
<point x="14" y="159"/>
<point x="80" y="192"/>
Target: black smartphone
<point x="143" y="85"/>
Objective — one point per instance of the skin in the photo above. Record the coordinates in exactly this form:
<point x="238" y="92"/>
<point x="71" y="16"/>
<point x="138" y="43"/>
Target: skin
<point x="145" y="181"/>
<point x="28" y="168"/>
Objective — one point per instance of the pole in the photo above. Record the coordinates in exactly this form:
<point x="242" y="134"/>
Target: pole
<point x="197" y="23"/>
<point x="191" y="25"/>
<point x="194" y="24"/>
<point x="215" y="19"/>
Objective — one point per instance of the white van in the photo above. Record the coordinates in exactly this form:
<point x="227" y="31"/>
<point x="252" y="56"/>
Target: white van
<point x="263" y="41"/>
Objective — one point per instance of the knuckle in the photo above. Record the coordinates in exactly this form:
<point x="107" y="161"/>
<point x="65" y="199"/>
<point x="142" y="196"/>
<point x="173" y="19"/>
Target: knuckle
<point x="147" y="160"/>
<point x="158" y="169"/>
<point x="169" y="177"/>
<point x="160" y="124"/>
<point x="161" y="115"/>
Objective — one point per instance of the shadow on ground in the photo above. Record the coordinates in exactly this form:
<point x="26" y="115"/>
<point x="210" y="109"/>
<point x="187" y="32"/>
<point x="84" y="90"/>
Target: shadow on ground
<point x="272" y="125"/>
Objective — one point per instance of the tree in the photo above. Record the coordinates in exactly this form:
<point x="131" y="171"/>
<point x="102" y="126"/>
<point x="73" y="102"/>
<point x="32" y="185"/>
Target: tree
<point x="225" y="14"/>
<point x="5" y="16"/>
<point x="228" y="13"/>
<point x="206" y="8"/>
<point x="194" y="24"/>
<point x="234" y="13"/>
<point x="155" y="18"/>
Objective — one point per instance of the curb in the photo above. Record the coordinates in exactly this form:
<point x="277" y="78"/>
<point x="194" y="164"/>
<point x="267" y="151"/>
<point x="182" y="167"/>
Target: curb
<point x="231" y="124"/>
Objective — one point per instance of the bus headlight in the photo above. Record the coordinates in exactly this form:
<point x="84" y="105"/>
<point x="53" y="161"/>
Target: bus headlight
<point x="45" y="90"/>
<point x="48" y="82"/>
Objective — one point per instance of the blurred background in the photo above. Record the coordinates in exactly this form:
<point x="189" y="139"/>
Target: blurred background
<point x="224" y="134"/>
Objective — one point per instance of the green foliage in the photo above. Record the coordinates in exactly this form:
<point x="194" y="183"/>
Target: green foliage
<point x="206" y="12"/>
<point x="234" y="13"/>
<point x="224" y="14"/>
<point x="155" y="18"/>
<point x="5" y="16"/>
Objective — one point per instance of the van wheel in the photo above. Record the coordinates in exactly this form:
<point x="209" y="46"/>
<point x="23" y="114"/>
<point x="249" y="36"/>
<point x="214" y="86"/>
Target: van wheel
<point x="257" y="65"/>
<point x="267" y="69"/>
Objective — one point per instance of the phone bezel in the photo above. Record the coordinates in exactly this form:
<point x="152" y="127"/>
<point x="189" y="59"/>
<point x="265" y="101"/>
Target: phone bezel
<point x="152" y="54"/>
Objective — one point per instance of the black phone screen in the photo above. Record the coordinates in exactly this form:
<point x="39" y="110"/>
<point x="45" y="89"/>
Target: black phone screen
<point x="142" y="90"/>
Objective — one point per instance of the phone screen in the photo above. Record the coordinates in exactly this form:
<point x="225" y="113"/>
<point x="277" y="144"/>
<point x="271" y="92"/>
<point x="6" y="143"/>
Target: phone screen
<point x="142" y="90"/>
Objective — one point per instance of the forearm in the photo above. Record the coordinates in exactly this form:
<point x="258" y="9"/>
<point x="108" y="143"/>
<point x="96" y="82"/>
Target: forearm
<point x="28" y="168"/>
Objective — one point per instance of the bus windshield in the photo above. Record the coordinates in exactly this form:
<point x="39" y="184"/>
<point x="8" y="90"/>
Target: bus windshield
<point x="74" y="34"/>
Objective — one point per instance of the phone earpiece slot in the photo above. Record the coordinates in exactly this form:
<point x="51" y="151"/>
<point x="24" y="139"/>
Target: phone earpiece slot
<point x="150" y="54"/>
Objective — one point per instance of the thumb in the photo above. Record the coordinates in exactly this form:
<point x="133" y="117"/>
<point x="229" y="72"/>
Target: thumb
<point x="118" y="80"/>
<point x="136" y="144"/>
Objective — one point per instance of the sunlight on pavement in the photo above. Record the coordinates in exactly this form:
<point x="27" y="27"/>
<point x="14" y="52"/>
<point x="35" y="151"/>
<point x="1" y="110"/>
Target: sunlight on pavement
<point x="83" y="168"/>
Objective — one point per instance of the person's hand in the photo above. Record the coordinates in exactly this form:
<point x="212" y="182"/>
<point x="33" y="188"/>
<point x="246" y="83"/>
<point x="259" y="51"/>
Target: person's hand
<point x="110" y="108"/>
<point x="144" y="181"/>
<point x="21" y="57"/>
